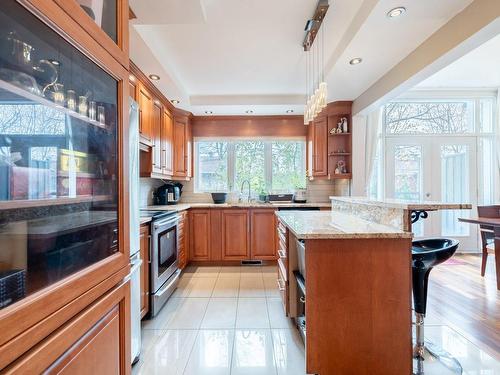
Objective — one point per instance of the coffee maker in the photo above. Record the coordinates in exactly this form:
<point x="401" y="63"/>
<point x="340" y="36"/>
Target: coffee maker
<point x="169" y="193"/>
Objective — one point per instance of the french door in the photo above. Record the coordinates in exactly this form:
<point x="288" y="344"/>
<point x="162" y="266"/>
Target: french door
<point x="435" y="168"/>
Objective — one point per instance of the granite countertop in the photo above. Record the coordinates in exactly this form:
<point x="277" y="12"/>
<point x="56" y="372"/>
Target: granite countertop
<point x="145" y="220"/>
<point x="185" y="206"/>
<point x="335" y="225"/>
<point x="66" y="223"/>
<point x="405" y="205"/>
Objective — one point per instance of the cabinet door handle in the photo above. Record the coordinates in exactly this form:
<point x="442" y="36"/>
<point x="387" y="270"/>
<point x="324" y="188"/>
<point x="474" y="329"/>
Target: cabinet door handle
<point x="281" y="288"/>
<point x="302" y="299"/>
<point x="149" y="249"/>
<point x="281" y="254"/>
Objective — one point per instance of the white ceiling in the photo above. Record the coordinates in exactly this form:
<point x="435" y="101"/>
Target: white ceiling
<point x="479" y="69"/>
<point x="230" y="56"/>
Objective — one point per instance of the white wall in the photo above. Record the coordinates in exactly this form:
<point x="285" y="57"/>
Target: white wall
<point x="359" y="124"/>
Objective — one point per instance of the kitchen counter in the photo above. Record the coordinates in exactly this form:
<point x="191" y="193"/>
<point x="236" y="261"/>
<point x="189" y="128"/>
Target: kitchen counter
<point x="145" y="220"/>
<point x="185" y="206"/>
<point x="392" y="212"/>
<point x="335" y="225"/>
<point x="405" y="205"/>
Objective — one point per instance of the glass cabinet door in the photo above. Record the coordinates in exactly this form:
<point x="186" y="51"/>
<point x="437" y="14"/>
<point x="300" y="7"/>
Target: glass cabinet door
<point x="104" y="13"/>
<point x="58" y="157"/>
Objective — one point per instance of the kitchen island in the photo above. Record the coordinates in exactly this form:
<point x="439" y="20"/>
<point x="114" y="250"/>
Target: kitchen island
<point x="357" y="301"/>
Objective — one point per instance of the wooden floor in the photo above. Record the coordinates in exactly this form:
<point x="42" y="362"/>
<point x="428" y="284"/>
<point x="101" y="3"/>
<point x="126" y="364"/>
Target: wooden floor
<point x="470" y="304"/>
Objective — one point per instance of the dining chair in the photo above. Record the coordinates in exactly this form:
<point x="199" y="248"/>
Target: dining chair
<point x="487" y="233"/>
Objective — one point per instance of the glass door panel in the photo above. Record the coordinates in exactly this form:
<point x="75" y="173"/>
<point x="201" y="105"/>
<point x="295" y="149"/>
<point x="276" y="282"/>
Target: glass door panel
<point x="435" y="169"/>
<point x="458" y="175"/>
<point x="104" y="13"/>
<point x="58" y="157"/>
<point x="404" y="174"/>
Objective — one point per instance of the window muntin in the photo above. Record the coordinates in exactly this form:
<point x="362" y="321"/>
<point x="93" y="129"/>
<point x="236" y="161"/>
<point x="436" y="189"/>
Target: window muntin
<point x="271" y="166"/>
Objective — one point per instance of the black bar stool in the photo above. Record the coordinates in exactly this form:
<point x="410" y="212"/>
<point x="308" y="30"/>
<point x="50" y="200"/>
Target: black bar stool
<point x="427" y="254"/>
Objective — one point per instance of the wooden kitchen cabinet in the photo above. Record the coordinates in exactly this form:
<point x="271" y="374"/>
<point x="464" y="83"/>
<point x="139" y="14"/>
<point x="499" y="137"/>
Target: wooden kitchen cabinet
<point x="199" y="228"/>
<point x="167" y="137"/>
<point x="319" y="128"/>
<point x="180" y="147"/>
<point x="183" y="230"/>
<point x="156" y="133"/>
<point x="263" y="234"/>
<point x="325" y="150"/>
<point x="95" y="341"/>
<point x="144" y="244"/>
<point x="145" y="101"/>
<point x="235" y="234"/>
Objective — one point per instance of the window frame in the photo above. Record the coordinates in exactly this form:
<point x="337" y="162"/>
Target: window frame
<point x="475" y="96"/>
<point x="231" y="160"/>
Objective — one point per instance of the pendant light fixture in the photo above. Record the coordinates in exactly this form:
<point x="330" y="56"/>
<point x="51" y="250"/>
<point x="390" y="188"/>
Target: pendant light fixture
<point x="316" y="87"/>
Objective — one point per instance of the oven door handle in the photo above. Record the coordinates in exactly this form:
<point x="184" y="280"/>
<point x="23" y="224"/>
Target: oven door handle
<point x="165" y="222"/>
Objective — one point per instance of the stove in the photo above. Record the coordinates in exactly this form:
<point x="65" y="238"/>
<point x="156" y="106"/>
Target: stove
<point x="163" y="271"/>
<point x="155" y="214"/>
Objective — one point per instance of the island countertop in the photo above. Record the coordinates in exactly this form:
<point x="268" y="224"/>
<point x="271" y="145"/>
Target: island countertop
<point x="335" y="225"/>
<point x="405" y="205"/>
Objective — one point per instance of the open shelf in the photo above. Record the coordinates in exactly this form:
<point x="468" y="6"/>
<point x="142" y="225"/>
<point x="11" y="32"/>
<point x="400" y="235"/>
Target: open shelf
<point x="338" y="134"/>
<point x="28" y="203"/>
<point x="43" y="101"/>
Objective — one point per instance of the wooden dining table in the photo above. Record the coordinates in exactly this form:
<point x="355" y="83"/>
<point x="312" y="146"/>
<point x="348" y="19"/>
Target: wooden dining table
<point x="492" y="223"/>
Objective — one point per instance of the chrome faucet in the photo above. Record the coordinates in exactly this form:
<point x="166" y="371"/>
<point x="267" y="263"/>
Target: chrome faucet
<point x="249" y="191"/>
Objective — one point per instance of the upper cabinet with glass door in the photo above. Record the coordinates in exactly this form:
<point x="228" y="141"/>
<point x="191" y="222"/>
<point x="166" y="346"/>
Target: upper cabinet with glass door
<point x="105" y="20"/>
<point x="58" y="157"/>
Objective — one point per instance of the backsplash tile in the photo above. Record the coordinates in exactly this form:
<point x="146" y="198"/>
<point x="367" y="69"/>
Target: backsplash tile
<point x="146" y="188"/>
<point x="318" y="191"/>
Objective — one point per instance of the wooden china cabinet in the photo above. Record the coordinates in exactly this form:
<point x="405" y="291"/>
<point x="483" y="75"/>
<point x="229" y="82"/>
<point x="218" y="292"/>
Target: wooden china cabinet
<point x="64" y="258"/>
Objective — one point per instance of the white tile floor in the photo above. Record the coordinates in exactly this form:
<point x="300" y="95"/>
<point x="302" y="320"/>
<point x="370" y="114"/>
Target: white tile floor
<point x="229" y="320"/>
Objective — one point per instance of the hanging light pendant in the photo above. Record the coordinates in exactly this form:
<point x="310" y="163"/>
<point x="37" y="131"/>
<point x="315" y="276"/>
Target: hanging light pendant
<point x="316" y="88"/>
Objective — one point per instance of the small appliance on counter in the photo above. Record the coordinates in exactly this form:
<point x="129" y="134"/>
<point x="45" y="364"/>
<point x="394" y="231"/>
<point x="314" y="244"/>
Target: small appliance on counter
<point x="300" y="196"/>
<point x="169" y="193"/>
<point x="280" y="197"/>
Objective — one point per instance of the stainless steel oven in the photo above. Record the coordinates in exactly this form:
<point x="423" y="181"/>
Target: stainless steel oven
<point x="164" y="272"/>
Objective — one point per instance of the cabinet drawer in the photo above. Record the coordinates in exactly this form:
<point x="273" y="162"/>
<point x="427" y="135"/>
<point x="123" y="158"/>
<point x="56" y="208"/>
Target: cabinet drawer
<point x="282" y="242"/>
<point x="283" y="289"/>
<point x="281" y="228"/>
<point x="282" y="269"/>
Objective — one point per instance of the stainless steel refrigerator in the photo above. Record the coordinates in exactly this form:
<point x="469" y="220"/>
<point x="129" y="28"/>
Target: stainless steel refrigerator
<point x="135" y="256"/>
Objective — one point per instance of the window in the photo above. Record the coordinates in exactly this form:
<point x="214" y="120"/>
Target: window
<point x="429" y="117"/>
<point x="270" y="166"/>
<point x="212" y="164"/>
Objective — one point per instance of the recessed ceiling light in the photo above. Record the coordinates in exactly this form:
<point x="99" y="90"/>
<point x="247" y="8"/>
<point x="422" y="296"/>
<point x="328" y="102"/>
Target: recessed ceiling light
<point x="154" y="77"/>
<point x="175" y="101"/>
<point x="396" y="12"/>
<point x="249" y="111"/>
<point x="356" y="61"/>
<point x="208" y="112"/>
<point x="289" y="111"/>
